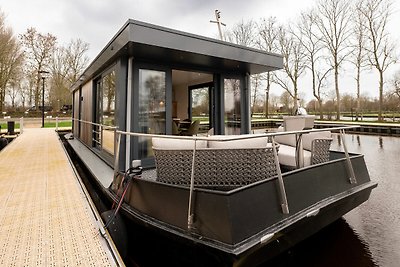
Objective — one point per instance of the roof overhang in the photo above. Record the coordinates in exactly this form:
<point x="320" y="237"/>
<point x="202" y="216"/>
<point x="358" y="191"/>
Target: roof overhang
<point x="149" y="42"/>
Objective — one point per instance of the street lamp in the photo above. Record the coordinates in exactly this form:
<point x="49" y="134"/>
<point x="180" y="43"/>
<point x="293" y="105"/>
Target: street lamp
<point x="43" y="75"/>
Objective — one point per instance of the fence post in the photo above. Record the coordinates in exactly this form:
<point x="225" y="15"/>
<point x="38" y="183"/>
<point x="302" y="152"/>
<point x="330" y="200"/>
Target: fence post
<point x="57" y="124"/>
<point x="21" y="125"/>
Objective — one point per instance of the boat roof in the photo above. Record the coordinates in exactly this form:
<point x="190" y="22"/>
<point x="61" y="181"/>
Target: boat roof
<point x="166" y="46"/>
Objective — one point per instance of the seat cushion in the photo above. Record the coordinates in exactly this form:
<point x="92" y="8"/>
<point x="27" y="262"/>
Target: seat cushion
<point x="287" y="156"/>
<point x="257" y="142"/>
<point x="177" y="144"/>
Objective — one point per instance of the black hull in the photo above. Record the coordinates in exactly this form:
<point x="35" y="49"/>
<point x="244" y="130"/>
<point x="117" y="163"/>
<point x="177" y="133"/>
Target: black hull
<point x="172" y="246"/>
<point x="229" y="232"/>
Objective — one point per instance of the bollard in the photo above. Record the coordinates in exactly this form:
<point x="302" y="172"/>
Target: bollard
<point x="57" y="124"/>
<point x="10" y="127"/>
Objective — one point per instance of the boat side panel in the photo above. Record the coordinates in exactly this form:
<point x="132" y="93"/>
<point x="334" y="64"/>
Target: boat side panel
<point x="169" y="204"/>
<point x="307" y="187"/>
<point x="231" y="218"/>
<point x="304" y="188"/>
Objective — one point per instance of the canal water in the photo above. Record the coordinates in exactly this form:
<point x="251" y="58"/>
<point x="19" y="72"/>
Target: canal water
<point x="370" y="234"/>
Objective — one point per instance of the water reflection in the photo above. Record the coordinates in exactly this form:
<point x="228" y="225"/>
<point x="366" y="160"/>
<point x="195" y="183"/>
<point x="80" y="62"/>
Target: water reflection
<point x="335" y="245"/>
<point x="370" y="234"/>
<point x="377" y="222"/>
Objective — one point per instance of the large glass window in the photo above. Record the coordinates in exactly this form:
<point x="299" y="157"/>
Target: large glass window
<point x="151" y="107"/>
<point x="105" y="112"/>
<point x="200" y="103"/>
<point x="232" y="106"/>
<point x="108" y="111"/>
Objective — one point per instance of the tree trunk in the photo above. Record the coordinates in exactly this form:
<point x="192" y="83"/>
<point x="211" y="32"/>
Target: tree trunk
<point x="358" y="94"/>
<point x="337" y="92"/>
<point x="321" y="114"/>
<point x="267" y="94"/>
<point x="380" y="118"/>
<point x="1" y="100"/>
<point x="37" y="94"/>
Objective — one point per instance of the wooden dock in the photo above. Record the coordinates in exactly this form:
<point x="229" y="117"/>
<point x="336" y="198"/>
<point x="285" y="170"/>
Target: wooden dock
<point x="46" y="216"/>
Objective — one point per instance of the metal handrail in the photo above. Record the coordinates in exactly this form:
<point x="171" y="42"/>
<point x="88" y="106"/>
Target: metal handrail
<point x="96" y="124"/>
<point x="99" y="133"/>
<point x="282" y="191"/>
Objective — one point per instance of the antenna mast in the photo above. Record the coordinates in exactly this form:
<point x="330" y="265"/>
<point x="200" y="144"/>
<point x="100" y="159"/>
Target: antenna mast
<point x="219" y="23"/>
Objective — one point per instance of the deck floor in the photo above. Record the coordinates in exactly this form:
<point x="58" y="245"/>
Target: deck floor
<point x="45" y="219"/>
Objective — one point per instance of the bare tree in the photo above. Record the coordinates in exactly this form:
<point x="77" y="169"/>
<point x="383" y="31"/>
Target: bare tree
<point x="59" y="72"/>
<point x="256" y="84"/>
<point x="39" y="49"/>
<point x="394" y="93"/>
<point x="243" y="33"/>
<point x="76" y="59"/>
<point x="294" y="64"/>
<point x="333" y="23"/>
<point x="11" y="58"/>
<point x="267" y="41"/>
<point x="358" y="56"/>
<point x="306" y="33"/>
<point x="67" y="64"/>
<point x="286" y="100"/>
<point x="396" y="84"/>
<point x="380" y="48"/>
<point x="12" y="92"/>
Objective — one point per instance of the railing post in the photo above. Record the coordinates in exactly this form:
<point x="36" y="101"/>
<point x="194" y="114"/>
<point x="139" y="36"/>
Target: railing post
<point x="299" y="151"/>
<point x="101" y="136"/>
<point x="349" y="165"/>
<point x="117" y="141"/>
<point x="282" y="191"/>
<point x="190" y="208"/>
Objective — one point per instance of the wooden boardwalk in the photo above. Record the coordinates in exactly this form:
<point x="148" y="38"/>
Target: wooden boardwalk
<point x="45" y="216"/>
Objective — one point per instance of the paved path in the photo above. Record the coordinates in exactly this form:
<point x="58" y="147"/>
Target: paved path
<point x="45" y="219"/>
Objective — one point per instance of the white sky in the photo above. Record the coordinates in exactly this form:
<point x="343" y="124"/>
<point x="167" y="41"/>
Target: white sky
<point x="97" y="21"/>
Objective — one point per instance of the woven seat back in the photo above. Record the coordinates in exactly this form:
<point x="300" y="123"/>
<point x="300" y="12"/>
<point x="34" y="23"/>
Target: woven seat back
<point x="320" y="150"/>
<point x="215" y="167"/>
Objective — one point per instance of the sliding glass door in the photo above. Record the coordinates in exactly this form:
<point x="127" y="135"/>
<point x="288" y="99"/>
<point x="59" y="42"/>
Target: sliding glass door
<point x="103" y="137"/>
<point x="200" y="99"/>
<point x="232" y="106"/>
<point x="152" y="107"/>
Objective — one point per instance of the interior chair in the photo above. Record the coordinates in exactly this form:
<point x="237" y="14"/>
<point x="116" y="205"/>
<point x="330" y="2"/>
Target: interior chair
<point x="193" y="129"/>
<point x="175" y="129"/>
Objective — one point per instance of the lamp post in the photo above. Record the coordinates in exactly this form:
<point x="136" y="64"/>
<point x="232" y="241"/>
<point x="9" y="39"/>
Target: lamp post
<point x="43" y="75"/>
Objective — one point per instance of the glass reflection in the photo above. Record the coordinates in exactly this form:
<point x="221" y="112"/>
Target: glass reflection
<point x="108" y="111"/>
<point x="105" y="113"/>
<point x="232" y="106"/>
<point x="151" y="107"/>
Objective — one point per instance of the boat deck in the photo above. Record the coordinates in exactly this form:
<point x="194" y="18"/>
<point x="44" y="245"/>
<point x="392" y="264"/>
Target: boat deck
<point x="46" y="218"/>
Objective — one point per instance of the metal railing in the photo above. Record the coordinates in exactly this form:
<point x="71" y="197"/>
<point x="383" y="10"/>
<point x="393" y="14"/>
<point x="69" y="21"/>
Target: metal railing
<point x="282" y="191"/>
<point x="22" y="121"/>
<point x="96" y="132"/>
<point x="281" y="188"/>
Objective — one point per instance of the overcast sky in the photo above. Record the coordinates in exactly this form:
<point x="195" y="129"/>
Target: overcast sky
<point x="97" y="21"/>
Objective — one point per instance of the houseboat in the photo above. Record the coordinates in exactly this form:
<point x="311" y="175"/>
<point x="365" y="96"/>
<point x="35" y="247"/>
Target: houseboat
<point x="161" y="121"/>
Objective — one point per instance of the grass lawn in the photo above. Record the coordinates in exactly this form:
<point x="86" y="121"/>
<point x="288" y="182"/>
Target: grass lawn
<point x="50" y="124"/>
<point x="4" y="126"/>
<point x="60" y="124"/>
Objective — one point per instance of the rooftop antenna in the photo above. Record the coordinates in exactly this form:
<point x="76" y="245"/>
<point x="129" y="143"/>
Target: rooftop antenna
<point x="219" y="23"/>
